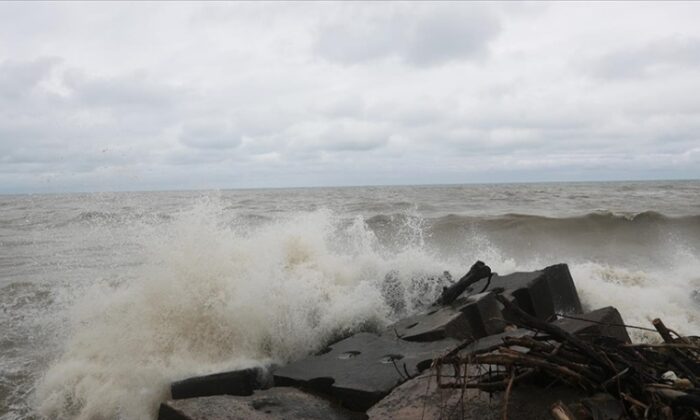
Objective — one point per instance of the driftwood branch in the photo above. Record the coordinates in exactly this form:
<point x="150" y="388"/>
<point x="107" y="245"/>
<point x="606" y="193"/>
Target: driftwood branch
<point x="561" y="412"/>
<point x="663" y="331"/>
<point x="552" y="330"/>
<point x="477" y="272"/>
<point x="634" y="376"/>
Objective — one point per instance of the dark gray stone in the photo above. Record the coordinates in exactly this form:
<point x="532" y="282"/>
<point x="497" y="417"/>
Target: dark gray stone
<point x="271" y="404"/>
<point x="469" y="317"/>
<point x="541" y="293"/>
<point x="237" y="382"/>
<point x="601" y="322"/>
<point x="360" y="370"/>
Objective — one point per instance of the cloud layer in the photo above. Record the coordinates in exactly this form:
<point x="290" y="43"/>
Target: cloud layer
<point x="185" y="95"/>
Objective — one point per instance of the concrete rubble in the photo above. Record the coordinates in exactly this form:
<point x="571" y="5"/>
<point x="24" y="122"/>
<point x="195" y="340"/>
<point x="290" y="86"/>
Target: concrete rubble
<point x="472" y="317"/>
<point x="400" y="372"/>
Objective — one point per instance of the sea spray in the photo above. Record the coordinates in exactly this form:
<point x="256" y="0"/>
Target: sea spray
<point x="642" y="295"/>
<point x="217" y="295"/>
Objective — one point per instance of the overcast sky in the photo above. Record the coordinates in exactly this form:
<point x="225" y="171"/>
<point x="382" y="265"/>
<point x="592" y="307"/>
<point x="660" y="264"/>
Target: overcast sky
<point x="119" y="96"/>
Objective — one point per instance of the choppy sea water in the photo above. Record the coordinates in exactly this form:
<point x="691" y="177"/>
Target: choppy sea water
<point x="106" y="298"/>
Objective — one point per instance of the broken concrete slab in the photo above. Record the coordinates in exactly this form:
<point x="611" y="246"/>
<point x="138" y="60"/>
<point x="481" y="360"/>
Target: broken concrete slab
<point x="601" y="322"/>
<point x="422" y="399"/>
<point x="237" y="382"/>
<point x="541" y="293"/>
<point x="470" y="317"/>
<point x="272" y="404"/>
<point x="361" y="369"/>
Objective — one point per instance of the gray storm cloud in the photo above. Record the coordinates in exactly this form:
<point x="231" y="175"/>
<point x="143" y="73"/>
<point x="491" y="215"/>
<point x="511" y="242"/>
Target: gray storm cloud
<point x="188" y="95"/>
<point x="418" y="36"/>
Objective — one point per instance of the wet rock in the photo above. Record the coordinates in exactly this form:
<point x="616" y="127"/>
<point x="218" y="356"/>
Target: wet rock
<point x="541" y="293"/>
<point x="422" y="399"/>
<point x="601" y="322"/>
<point x="362" y="369"/>
<point x="238" y="382"/>
<point x="271" y="404"/>
<point x="470" y="317"/>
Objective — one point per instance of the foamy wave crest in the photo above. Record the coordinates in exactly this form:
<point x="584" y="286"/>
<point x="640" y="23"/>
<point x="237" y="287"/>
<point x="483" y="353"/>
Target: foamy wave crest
<point x="219" y="294"/>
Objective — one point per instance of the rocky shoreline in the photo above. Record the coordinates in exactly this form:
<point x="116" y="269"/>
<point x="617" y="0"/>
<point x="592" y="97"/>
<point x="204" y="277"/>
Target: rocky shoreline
<point x="514" y="346"/>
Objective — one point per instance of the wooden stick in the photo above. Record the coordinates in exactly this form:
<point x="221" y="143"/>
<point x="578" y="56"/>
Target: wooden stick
<point x="663" y="331"/>
<point x="507" y="397"/>
<point x="522" y="360"/>
<point x="677" y="397"/>
<point x="487" y="386"/>
<point x="477" y="272"/>
<point x="555" y="331"/>
<point x="560" y="411"/>
<point x="633" y="401"/>
<point x="665" y="345"/>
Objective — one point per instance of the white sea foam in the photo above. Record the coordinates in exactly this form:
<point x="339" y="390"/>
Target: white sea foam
<point x="219" y="297"/>
<point x="219" y="294"/>
<point x="641" y="295"/>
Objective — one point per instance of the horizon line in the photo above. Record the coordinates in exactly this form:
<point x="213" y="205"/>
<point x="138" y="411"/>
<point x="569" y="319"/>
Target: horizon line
<point x="448" y="184"/>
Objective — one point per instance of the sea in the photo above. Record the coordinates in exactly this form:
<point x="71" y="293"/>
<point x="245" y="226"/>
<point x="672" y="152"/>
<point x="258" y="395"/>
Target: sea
<point x="105" y="298"/>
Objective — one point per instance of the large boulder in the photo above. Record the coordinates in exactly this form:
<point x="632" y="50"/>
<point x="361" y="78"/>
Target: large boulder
<point x="470" y="317"/>
<point x="542" y="293"/>
<point x="362" y="369"/>
<point x="271" y="404"/>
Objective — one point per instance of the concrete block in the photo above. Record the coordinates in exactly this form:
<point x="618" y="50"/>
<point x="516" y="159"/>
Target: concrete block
<point x="362" y="369"/>
<point x="541" y="293"/>
<point x="238" y="382"/>
<point x="470" y="317"/>
<point x="601" y="322"/>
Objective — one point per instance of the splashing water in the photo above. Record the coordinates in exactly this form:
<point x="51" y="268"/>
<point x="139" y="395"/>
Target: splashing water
<point x="220" y="297"/>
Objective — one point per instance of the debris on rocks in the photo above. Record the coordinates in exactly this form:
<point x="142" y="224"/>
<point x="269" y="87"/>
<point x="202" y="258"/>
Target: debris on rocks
<point x="635" y="378"/>
<point x="517" y="346"/>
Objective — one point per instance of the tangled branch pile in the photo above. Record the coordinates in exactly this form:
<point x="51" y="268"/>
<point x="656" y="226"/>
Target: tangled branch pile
<point x="642" y="381"/>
